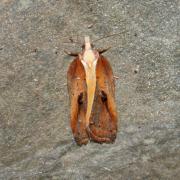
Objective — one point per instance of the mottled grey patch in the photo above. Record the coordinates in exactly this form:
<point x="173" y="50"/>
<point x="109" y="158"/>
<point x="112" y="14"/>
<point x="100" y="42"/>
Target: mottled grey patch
<point x="35" y="136"/>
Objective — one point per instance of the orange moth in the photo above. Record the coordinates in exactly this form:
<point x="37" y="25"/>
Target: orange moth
<point x="91" y="90"/>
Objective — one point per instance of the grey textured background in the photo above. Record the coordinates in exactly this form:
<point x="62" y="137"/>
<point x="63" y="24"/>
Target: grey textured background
<point x="35" y="136"/>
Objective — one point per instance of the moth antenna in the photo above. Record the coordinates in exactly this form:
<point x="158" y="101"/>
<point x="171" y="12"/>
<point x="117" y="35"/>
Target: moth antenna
<point x="71" y="53"/>
<point x="109" y="36"/>
<point x="77" y="40"/>
<point x="71" y="40"/>
<point x="103" y="50"/>
<point x="74" y="42"/>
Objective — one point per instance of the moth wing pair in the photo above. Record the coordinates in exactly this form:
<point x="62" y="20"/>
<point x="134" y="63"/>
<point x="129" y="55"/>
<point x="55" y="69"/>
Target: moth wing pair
<point x="103" y="121"/>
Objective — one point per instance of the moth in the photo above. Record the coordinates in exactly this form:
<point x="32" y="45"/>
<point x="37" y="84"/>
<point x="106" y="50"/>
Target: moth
<point x="91" y="88"/>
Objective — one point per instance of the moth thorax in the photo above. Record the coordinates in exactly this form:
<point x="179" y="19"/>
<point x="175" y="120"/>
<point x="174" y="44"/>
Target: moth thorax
<point x="89" y="58"/>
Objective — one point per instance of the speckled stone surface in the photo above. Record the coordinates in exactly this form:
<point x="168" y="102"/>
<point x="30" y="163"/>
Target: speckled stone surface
<point x="35" y="136"/>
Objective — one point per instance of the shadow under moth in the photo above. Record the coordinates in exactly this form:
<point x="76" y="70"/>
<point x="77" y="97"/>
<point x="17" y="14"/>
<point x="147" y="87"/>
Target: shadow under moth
<point x="91" y="89"/>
